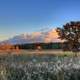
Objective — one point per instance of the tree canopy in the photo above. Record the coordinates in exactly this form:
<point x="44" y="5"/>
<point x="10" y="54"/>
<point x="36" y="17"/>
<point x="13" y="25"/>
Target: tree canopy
<point x="71" y="33"/>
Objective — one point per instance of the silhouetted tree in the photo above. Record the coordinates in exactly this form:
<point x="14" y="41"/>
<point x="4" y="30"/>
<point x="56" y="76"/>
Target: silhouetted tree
<point x="70" y="32"/>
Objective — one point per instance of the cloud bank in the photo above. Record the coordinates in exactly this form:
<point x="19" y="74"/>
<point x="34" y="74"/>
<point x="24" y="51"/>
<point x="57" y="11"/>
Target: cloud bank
<point x="36" y="37"/>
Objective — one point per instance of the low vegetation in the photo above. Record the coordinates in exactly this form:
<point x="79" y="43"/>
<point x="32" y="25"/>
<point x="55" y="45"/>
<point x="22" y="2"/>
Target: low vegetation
<point x="35" y="67"/>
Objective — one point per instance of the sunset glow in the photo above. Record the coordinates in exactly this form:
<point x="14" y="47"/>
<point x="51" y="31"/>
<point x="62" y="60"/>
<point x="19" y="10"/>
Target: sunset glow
<point x="51" y="36"/>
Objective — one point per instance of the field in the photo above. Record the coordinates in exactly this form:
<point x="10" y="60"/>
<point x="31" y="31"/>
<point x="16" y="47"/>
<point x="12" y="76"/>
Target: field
<point x="39" y="65"/>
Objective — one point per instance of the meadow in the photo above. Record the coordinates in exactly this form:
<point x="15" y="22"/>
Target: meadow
<point x="39" y="65"/>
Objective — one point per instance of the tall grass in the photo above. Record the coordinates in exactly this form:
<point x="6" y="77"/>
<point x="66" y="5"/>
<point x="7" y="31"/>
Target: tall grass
<point x="43" y="67"/>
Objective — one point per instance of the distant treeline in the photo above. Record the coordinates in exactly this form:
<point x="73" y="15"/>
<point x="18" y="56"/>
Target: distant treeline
<point x="64" y="46"/>
<point x="40" y="45"/>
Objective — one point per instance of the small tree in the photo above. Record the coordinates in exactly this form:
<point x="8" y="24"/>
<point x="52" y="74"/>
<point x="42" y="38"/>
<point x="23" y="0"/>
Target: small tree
<point x="71" y="33"/>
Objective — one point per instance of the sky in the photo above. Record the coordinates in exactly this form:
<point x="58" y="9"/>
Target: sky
<point x="21" y="16"/>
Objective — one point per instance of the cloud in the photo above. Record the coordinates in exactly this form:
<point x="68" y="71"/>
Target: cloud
<point x="51" y="36"/>
<point x="35" y="37"/>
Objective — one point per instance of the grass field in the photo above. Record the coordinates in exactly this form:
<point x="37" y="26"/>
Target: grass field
<point x="39" y="65"/>
<point x="42" y="52"/>
<point x="49" y="52"/>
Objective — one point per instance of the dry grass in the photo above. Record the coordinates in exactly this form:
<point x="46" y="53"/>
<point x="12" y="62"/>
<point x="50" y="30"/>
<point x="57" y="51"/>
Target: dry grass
<point x="49" y="52"/>
<point x="41" y="52"/>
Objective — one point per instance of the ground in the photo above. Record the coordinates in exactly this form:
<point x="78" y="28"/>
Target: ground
<point x="52" y="52"/>
<point x="39" y="65"/>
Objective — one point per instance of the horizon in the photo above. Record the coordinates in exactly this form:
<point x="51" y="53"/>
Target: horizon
<point x="28" y="16"/>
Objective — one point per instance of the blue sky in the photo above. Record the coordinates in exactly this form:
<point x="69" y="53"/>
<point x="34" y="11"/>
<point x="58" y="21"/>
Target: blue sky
<point x="20" y="16"/>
